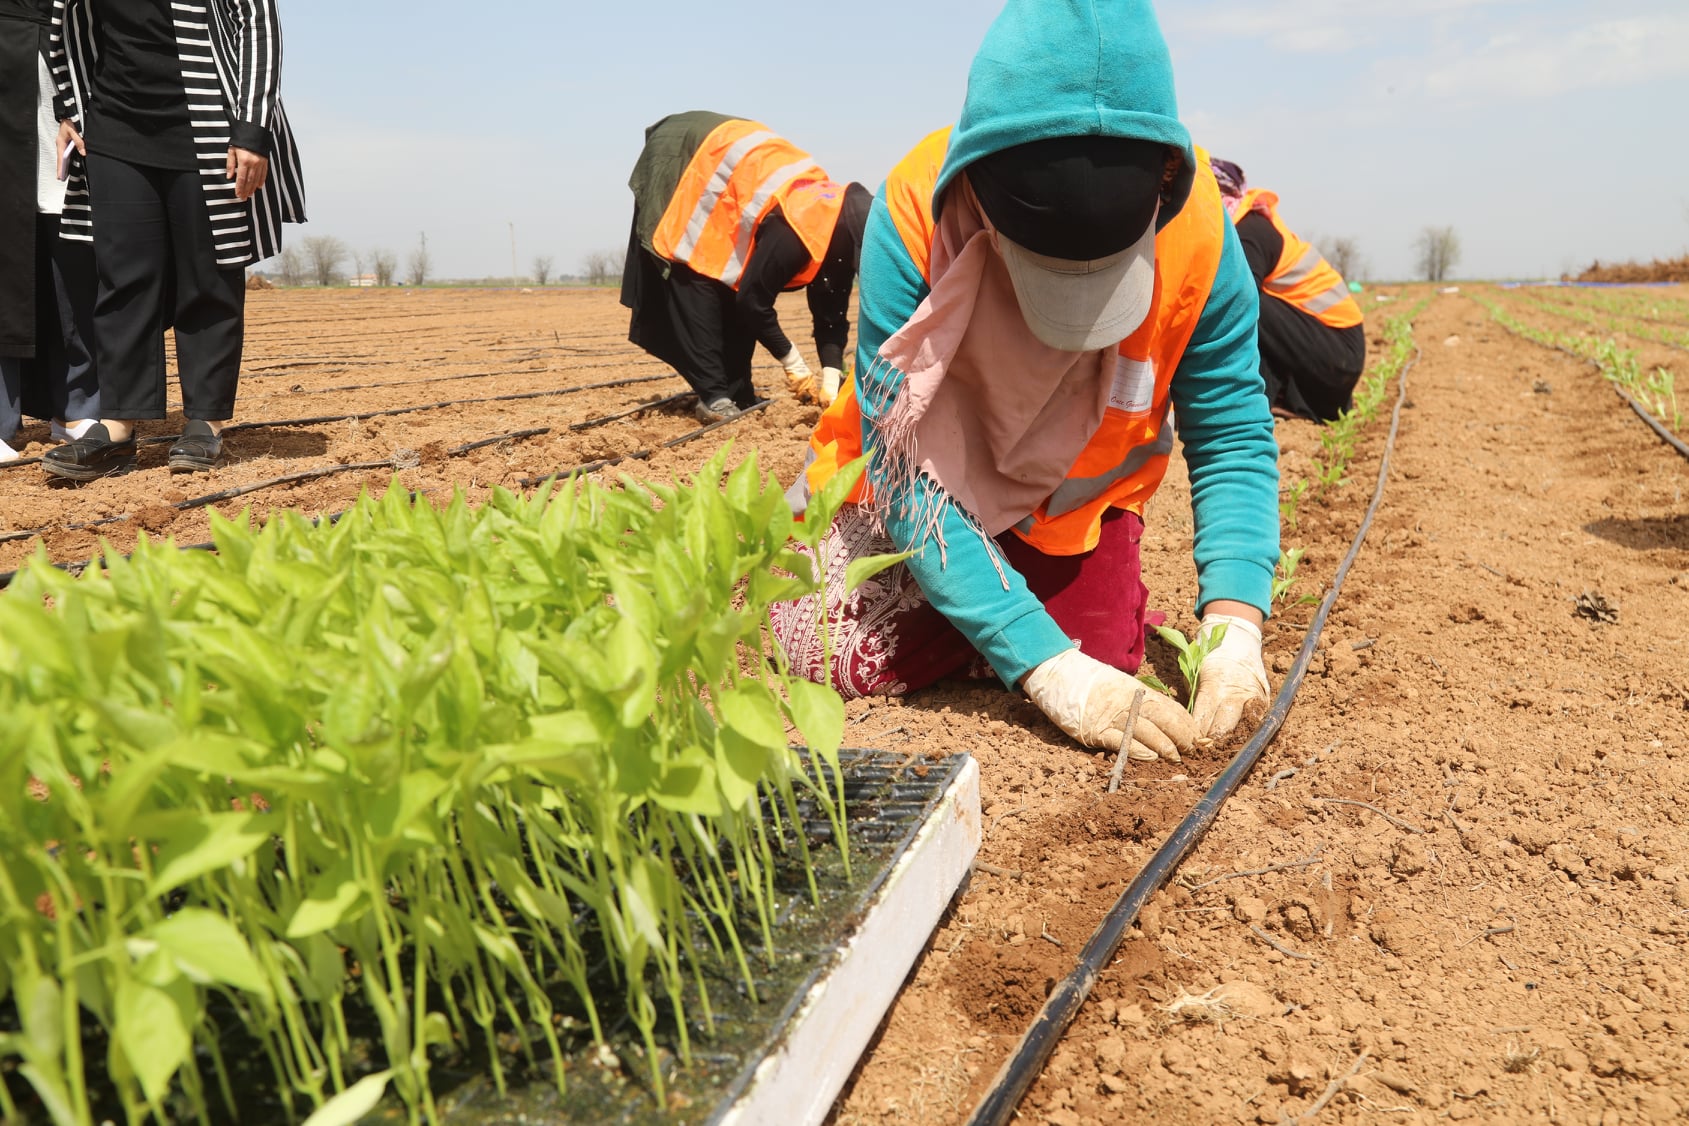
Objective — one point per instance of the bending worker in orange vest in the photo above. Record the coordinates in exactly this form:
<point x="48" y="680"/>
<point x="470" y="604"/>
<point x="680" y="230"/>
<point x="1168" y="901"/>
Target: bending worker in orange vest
<point x="1044" y="288"/>
<point x="727" y="214"/>
<point x="1313" y="347"/>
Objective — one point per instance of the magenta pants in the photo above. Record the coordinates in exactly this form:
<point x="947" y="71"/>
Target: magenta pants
<point x="887" y="639"/>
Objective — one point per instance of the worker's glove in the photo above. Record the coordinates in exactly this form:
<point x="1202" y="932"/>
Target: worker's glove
<point x="1091" y="701"/>
<point x="799" y="379"/>
<point x="1230" y="677"/>
<point x="831" y="380"/>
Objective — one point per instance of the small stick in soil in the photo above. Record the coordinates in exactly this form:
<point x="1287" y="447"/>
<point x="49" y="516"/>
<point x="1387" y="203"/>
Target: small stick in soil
<point x="1044" y="933"/>
<point x="1002" y="816"/>
<point x="993" y="870"/>
<point x="1505" y="928"/>
<point x="1367" y="644"/>
<point x="1284" y="775"/>
<point x="1391" y="818"/>
<point x="1279" y="946"/>
<point x="1331" y="1090"/>
<point x="1312" y="859"/>
<point x="1125" y="741"/>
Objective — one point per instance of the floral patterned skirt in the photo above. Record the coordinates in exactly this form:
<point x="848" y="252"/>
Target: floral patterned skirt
<point x="887" y="639"/>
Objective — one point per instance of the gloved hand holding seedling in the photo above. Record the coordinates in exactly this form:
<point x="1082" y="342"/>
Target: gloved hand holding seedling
<point x="1223" y="670"/>
<point x="1092" y="701"/>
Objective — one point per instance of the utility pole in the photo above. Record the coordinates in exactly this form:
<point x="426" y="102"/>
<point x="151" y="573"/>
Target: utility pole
<point x="514" y="280"/>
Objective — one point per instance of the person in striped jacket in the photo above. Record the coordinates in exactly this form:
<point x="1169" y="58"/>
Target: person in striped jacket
<point x="184" y="171"/>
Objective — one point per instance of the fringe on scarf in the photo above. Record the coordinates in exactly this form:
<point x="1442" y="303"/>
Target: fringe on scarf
<point x="918" y="496"/>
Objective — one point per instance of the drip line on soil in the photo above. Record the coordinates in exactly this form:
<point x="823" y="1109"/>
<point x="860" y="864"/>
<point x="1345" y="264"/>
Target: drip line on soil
<point x="1023" y="1066"/>
<point x="402" y="459"/>
<point x="321" y="419"/>
<point x="641" y="455"/>
<point x="1642" y="412"/>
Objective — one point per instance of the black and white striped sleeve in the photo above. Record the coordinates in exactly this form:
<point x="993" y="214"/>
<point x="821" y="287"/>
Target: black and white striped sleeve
<point x="257" y="29"/>
<point x="58" y="63"/>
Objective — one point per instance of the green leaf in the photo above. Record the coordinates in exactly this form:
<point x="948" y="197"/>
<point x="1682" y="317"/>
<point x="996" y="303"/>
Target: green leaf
<point x="207" y="944"/>
<point x="333" y="899"/>
<point x="353" y="1103"/>
<point x="861" y="570"/>
<point x="817" y="712"/>
<point x="207" y="843"/>
<point x="154" y="1021"/>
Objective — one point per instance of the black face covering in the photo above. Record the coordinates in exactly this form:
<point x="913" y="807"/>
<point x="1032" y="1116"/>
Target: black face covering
<point x="1078" y="198"/>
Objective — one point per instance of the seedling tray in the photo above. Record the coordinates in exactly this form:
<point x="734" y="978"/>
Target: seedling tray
<point x="782" y="1059"/>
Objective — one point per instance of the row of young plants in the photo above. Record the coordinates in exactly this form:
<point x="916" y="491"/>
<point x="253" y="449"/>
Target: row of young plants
<point x="1338" y="440"/>
<point x="421" y="762"/>
<point x="1645" y="305"/>
<point x="1671" y="337"/>
<point x="1655" y="390"/>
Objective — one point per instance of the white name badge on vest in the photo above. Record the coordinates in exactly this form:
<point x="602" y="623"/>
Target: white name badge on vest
<point x="1134" y="385"/>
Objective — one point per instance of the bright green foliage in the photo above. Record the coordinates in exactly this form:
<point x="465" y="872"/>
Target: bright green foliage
<point x="433" y="745"/>
<point x="1191" y="653"/>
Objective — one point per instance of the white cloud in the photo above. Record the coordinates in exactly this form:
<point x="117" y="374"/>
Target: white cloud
<point x="1545" y="62"/>
<point x="1320" y="26"/>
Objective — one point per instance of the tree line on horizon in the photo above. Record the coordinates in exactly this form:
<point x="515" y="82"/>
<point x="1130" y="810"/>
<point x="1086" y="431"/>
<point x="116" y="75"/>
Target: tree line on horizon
<point x="321" y="260"/>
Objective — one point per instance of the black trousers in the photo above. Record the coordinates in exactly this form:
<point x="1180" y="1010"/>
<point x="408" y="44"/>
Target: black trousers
<point x="688" y="321"/>
<point x="1311" y="368"/>
<point x="59" y="381"/>
<point x="158" y="267"/>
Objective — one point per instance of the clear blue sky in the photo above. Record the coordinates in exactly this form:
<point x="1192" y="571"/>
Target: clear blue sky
<point x="1547" y="132"/>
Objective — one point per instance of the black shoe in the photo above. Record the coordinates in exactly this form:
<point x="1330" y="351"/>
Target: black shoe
<point x="90" y="457"/>
<point x="197" y="448"/>
<point x="716" y="410"/>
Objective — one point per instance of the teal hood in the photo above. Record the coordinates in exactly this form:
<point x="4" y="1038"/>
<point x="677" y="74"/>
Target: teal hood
<point x="1066" y="68"/>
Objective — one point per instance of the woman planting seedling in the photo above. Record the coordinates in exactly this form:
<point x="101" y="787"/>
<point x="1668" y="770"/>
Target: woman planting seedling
<point x="1043" y="289"/>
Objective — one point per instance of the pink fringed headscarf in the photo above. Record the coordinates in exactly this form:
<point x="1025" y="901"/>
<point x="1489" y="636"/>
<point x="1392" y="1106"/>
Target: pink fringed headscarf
<point x="986" y="412"/>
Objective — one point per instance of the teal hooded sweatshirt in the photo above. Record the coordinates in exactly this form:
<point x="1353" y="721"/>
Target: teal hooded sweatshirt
<point x="1055" y="68"/>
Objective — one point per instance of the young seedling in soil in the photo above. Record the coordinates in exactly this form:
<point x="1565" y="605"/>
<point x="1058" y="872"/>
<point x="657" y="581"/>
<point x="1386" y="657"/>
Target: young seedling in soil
<point x="1286" y="578"/>
<point x="1191" y="653"/>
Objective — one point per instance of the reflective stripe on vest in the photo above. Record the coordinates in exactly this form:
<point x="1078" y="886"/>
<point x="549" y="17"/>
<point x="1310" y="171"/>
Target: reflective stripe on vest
<point x="1302" y="276"/>
<point x="740" y="171"/>
<point x="1123" y="462"/>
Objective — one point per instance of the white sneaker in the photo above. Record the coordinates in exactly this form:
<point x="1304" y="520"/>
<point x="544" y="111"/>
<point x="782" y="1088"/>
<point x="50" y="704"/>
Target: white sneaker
<point x="7" y="453"/>
<point x="71" y="431"/>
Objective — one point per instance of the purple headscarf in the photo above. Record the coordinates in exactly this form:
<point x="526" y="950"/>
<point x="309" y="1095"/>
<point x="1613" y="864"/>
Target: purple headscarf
<point x="1231" y="180"/>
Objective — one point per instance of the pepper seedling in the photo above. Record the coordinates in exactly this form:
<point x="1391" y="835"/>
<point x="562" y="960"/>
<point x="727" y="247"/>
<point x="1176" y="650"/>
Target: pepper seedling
<point x="1191" y="653"/>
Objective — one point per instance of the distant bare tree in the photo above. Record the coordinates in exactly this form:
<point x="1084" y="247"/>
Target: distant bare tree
<point x="1439" y="250"/>
<point x="603" y="266"/>
<point x="595" y="268"/>
<point x="1344" y="254"/>
<point x="357" y="265"/>
<point x="420" y="264"/>
<point x="290" y="267"/>
<point x="384" y="263"/>
<point x="542" y="269"/>
<point x="324" y="253"/>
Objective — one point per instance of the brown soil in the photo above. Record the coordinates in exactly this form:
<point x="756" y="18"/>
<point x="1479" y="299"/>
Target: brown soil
<point x="1631" y="273"/>
<point x="1502" y="935"/>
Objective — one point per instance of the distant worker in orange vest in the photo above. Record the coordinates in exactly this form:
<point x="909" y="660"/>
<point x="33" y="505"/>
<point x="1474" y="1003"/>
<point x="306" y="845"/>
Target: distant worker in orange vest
<point x="1046" y="288"/>
<point x="728" y="214"/>
<point x="1313" y="347"/>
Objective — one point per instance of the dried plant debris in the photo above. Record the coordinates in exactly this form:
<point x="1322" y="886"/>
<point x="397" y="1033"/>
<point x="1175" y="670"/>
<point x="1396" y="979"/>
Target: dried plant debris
<point x="1594" y="606"/>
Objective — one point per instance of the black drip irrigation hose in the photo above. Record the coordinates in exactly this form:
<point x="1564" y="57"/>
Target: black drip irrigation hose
<point x="327" y="418"/>
<point x="641" y="455"/>
<point x="1023" y="1067"/>
<point x="401" y="460"/>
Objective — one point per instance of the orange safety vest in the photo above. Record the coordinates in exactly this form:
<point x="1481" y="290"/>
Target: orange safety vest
<point x="1302" y="276"/>
<point x="1123" y="463"/>
<point x="743" y="169"/>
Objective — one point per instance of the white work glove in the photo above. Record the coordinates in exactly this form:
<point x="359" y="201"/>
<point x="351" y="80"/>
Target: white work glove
<point x="831" y="380"/>
<point x="1231" y="676"/>
<point x="800" y="381"/>
<point x="1090" y="701"/>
